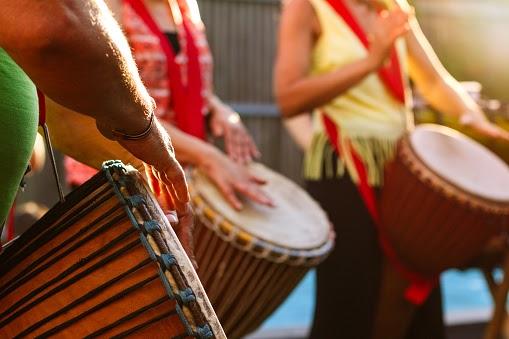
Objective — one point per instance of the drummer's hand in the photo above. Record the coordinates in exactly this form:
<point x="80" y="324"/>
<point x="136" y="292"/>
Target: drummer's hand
<point x="180" y="215"/>
<point x="389" y="26"/>
<point x="226" y="123"/>
<point x="157" y="150"/>
<point x="478" y="122"/>
<point x="232" y="179"/>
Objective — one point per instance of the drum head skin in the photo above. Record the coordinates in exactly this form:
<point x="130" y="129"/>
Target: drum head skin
<point x="462" y="161"/>
<point x="297" y="222"/>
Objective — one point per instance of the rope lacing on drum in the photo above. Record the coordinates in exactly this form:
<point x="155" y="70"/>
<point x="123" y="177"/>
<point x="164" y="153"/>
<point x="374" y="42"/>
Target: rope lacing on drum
<point x="167" y="262"/>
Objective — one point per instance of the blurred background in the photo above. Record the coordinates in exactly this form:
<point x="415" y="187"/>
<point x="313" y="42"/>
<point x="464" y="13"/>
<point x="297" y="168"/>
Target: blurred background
<point x="472" y="40"/>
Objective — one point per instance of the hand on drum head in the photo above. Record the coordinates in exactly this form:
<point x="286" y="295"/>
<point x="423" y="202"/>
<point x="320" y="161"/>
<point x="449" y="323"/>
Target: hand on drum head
<point x="226" y="123"/>
<point x="478" y="122"/>
<point x="180" y="215"/>
<point x="232" y="179"/>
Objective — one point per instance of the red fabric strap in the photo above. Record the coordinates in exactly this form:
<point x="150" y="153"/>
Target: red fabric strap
<point x="10" y="230"/>
<point x="42" y="107"/>
<point x="390" y="74"/>
<point x="186" y="96"/>
<point x="9" y="226"/>
<point x="420" y="286"/>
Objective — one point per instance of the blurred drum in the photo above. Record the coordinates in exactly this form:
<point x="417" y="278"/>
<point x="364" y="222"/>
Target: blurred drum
<point x="250" y="261"/>
<point x="106" y="263"/>
<point x="445" y="196"/>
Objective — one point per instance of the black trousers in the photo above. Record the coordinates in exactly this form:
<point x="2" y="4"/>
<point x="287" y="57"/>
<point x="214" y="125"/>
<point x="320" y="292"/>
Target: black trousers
<point x="348" y="281"/>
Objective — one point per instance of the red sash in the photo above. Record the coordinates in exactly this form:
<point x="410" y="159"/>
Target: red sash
<point x="390" y="74"/>
<point x="42" y="107"/>
<point x="420" y="286"/>
<point x="185" y="83"/>
<point x="9" y="225"/>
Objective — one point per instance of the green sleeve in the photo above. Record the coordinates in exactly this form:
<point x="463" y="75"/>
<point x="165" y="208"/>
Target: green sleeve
<point x="18" y="128"/>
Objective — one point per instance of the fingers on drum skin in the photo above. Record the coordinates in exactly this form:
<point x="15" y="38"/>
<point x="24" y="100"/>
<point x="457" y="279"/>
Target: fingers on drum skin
<point x="255" y="152"/>
<point x="257" y="180"/>
<point x="253" y="193"/>
<point x="247" y="149"/>
<point x="231" y="146"/>
<point x="250" y="146"/>
<point x="237" y="143"/>
<point x="228" y="192"/>
<point x="241" y="152"/>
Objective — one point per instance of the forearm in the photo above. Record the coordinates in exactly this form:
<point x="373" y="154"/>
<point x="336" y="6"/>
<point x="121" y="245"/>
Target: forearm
<point x="435" y="83"/>
<point x="449" y="98"/>
<point x="311" y="92"/>
<point x="214" y="102"/>
<point x="78" y="56"/>
<point x="188" y="149"/>
<point x="76" y="135"/>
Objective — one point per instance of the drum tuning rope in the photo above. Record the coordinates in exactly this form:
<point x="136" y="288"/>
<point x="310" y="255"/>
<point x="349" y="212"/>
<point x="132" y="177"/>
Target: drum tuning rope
<point x="139" y="211"/>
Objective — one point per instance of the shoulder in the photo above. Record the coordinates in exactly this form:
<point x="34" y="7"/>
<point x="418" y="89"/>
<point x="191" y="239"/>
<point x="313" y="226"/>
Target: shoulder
<point x="299" y="7"/>
<point x="301" y="13"/>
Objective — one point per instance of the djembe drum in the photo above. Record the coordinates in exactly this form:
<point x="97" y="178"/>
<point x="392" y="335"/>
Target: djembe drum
<point x="106" y="263"/>
<point x="445" y="196"/>
<point x="250" y="261"/>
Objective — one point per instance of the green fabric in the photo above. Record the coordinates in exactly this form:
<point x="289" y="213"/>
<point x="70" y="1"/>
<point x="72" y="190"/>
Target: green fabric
<point x="18" y="128"/>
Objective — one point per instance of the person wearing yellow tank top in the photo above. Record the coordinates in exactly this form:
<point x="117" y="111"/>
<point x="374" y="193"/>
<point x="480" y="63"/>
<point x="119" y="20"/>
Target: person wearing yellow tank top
<point x="349" y="62"/>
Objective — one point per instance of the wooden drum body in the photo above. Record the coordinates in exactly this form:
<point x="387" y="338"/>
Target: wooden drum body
<point x="106" y="263"/>
<point x="444" y="198"/>
<point x="250" y="261"/>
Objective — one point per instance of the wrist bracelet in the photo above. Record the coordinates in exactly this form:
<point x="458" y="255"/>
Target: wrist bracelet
<point x="139" y="136"/>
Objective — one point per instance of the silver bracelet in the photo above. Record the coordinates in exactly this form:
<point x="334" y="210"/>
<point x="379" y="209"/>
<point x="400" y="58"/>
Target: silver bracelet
<point x="139" y="136"/>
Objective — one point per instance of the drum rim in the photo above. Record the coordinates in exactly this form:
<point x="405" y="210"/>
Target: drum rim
<point x="247" y="242"/>
<point x="441" y="185"/>
<point x="156" y="246"/>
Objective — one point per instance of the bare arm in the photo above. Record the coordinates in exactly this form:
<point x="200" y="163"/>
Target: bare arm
<point x="296" y="91"/>
<point x="75" y="52"/>
<point x="229" y="177"/>
<point x="440" y="89"/>
<point x="437" y="86"/>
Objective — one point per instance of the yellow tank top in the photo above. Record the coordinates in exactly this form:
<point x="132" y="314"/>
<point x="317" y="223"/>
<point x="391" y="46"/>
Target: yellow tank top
<point x="369" y="118"/>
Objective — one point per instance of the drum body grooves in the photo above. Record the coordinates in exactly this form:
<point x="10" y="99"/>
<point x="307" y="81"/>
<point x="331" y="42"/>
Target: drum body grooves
<point x="445" y="197"/>
<point x="105" y="263"/>
<point x="250" y="261"/>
